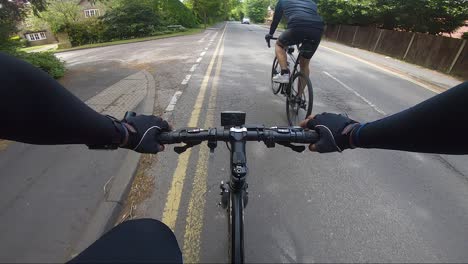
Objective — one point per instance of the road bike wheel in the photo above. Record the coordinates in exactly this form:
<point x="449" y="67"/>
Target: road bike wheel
<point x="236" y="227"/>
<point x="275" y="69"/>
<point x="298" y="107"/>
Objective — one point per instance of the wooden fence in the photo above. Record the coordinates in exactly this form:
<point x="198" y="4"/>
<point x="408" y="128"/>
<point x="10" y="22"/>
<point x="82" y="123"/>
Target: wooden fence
<point x="444" y="54"/>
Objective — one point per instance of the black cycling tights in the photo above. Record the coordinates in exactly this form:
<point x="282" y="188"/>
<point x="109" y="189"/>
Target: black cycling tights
<point x="134" y="241"/>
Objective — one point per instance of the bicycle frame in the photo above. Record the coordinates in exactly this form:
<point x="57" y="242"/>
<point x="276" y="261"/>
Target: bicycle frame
<point x="295" y="70"/>
<point x="234" y="195"/>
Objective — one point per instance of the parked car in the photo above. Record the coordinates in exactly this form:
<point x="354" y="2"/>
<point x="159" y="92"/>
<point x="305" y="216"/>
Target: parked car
<point x="246" y="20"/>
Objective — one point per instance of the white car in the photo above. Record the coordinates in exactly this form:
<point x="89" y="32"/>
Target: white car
<point x="246" y="20"/>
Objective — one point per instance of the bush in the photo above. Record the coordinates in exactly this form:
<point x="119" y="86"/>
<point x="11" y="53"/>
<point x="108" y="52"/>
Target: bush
<point x="46" y="61"/>
<point x="133" y="19"/>
<point x="465" y="35"/>
<point x="89" y="31"/>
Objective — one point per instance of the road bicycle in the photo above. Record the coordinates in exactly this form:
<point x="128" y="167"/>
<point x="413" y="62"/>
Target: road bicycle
<point x="298" y="103"/>
<point x="234" y="195"/>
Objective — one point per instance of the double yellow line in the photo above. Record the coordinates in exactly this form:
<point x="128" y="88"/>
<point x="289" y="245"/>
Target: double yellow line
<point x="195" y="211"/>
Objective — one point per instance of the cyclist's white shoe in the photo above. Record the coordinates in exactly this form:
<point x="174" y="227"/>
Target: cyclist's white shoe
<point x="281" y="78"/>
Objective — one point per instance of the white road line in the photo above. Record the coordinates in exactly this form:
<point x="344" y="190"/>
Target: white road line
<point x="356" y="93"/>
<point x="206" y="48"/>
<point x="214" y="36"/>
<point x="384" y="70"/>
<point x="204" y="37"/>
<point x="187" y="78"/>
<point x="173" y="101"/>
<point x="193" y="67"/>
<point x="199" y="59"/>
<point x="202" y="54"/>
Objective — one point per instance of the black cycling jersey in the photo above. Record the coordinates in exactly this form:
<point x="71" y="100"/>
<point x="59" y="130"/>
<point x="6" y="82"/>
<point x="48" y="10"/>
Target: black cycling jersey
<point x="34" y="108"/>
<point x="437" y="125"/>
<point x="299" y="14"/>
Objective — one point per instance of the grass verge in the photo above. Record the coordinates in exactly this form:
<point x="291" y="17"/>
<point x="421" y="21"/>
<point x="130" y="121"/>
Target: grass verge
<point x="47" y="47"/>
<point x="190" y="31"/>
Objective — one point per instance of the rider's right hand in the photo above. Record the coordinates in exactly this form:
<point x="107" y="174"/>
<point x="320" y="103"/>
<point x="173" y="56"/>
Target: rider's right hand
<point x="142" y="131"/>
<point x="335" y="132"/>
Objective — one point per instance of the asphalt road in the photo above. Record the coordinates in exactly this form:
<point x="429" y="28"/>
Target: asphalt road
<point x="359" y="206"/>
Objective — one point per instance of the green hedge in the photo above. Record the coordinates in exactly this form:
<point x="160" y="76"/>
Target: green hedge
<point x="89" y="31"/>
<point x="46" y="61"/>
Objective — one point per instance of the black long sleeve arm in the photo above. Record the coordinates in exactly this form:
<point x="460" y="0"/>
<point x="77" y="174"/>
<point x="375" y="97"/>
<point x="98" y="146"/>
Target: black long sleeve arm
<point x="276" y="17"/>
<point x="36" y="109"/>
<point x="437" y="125"/>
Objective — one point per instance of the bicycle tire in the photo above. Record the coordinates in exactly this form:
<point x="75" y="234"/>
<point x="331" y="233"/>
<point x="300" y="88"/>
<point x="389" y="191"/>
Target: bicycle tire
<point x="236" y="227"/>
<point x="295" y="112"/>
<point x="276" y="87"/>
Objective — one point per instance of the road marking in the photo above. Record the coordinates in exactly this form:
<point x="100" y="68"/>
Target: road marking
<point x="171" y="208"/>
<point x="193" y="67"/>
<point x="202" y="54"/>
<point x="173" y="101"/>
<point x="204" y="37"/>
<point x="199" y="59"/>
<point x="196" y="208"/>
<point x="206" y="48"/>
<point x="187" y="78"/>
<point x="384" y="70"/>
<point x="357" y="94"/>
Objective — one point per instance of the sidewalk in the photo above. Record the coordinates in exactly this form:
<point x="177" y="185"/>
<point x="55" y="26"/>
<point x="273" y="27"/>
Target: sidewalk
<point x="433" y="78"/>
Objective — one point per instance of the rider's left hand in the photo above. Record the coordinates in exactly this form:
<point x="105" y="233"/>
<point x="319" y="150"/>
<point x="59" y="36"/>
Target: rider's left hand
<point x="268" y="37"/>
<point x="143" y="131"/>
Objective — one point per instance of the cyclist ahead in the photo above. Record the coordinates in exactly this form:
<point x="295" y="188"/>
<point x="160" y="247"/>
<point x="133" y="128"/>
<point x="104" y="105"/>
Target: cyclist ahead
<point x="304" y="23"/>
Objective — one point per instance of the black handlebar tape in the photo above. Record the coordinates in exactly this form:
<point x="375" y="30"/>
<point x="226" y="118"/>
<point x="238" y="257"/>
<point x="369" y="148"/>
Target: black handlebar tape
<point x="305" y="137"/>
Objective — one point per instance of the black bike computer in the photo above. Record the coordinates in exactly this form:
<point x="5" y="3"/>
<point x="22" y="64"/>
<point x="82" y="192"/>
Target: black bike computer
<point x="232" y="118"/>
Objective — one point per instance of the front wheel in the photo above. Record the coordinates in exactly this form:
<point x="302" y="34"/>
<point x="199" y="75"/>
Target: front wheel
<point x="299" y="105"/>
<point x="236" y="226"/>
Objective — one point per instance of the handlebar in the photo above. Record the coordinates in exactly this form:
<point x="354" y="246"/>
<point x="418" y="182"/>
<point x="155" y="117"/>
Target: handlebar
<point x="268" y="41"/>
<point x="280" y="135"/>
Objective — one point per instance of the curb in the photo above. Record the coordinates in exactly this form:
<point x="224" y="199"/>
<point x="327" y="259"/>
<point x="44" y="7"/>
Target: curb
<point x="116" y="44"/>
<point x="109" y="209"/>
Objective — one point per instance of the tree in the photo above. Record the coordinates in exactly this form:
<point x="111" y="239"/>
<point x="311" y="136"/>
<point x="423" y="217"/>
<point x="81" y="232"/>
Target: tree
<point x="175" y="12"/>
<point x="256" y="10"/>
<point x="61" y="14"/>
<point x="11" y="14"/>
<point x="426" y="16"/>
<point x="207" y="10"/>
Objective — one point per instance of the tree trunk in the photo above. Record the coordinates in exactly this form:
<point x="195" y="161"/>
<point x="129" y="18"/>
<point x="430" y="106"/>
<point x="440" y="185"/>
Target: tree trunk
<point x="205" y="18"/>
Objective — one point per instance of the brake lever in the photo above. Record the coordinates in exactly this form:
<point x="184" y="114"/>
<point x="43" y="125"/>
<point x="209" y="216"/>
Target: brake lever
<point x="296" y="148"/>
<point x="182" y="149"/>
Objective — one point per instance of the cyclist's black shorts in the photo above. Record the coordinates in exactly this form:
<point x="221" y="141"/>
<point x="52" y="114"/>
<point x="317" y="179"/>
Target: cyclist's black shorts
<point x="134" y="241"/>
<point x="296" y="36"/>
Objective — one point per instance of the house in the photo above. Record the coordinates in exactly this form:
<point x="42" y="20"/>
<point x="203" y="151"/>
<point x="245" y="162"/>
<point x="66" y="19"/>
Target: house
<point x="43" y="35"/>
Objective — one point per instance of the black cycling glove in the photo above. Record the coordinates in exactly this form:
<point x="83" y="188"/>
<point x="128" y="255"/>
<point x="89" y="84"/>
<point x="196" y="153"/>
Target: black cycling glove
<point x="335" y="132"/>
<point x="142" y="133"/>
